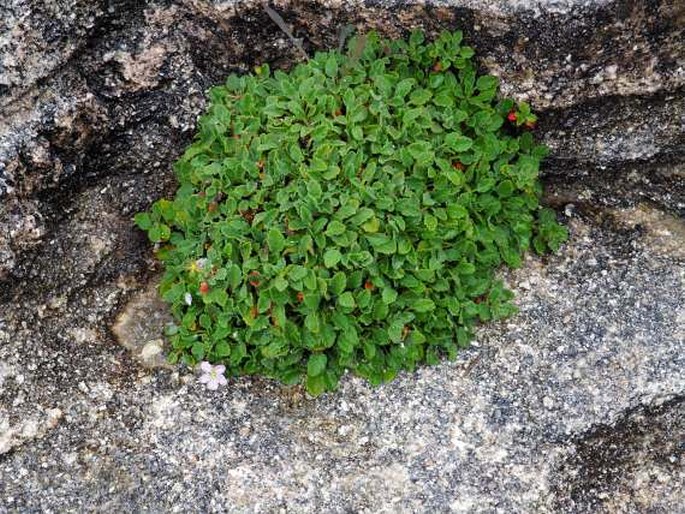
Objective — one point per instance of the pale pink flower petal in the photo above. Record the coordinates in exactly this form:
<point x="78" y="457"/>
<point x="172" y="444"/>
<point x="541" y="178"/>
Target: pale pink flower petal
<point x="213" y="376"/>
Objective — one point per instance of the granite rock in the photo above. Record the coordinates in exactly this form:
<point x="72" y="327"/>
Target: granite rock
<point x="573" y="405"/>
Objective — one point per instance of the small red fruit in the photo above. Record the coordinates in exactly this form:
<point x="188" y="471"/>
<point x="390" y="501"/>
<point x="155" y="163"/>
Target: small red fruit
<point x="254" y="282"/>
<point x="204" y="288"/>
<point x="300" y="296"/>
<point x="437" y="67"/>
<point x="458" y="165"/>
<point x="511" y="116"/>
<point x="368" y="285"/>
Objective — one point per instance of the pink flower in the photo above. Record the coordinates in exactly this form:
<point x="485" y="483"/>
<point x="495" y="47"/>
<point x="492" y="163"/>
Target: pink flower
<point x="213" y="376"/>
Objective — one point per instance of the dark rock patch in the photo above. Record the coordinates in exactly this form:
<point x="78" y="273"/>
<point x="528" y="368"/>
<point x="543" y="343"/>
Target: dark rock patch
<point x="634" y="464"/>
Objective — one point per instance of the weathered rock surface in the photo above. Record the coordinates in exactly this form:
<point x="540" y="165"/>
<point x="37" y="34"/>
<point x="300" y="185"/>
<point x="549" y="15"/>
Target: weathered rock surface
<point x="574" y="405"/>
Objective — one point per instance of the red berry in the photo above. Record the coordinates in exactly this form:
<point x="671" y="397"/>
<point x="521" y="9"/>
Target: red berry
<point x="254" y="282"/>
<point x="457" y="165"/>
<point x="204" y="288"/>
<point x="368" y="285"/>
<point x="512" y="116"/>
<point x="300" y="296"/>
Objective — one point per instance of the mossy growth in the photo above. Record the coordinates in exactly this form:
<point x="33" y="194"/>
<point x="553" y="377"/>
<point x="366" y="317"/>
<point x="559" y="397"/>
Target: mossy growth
<point x="349" y="214"/>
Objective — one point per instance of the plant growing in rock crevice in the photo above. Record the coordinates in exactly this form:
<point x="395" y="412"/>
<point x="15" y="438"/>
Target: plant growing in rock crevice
<point x="349" y="214"/>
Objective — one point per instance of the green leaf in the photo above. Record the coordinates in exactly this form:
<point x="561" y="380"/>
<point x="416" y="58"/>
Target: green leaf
<point x="430" y="222"/>
<point x="444" y="99"/>
<point x="372" y="226"/>
<point x="280" y="283"/>
<point x="420" y="96"/>
<point x="315" y="385"/>
<point x="457" y="211"/>
<point x="346" y="300"/>
<point x="159" y="232"/>
<point x="422" y="152"/>
<point x="396" y="331"/>
<point x="505" y="188"/>
<point x="466" y="268"/>
<point x="357" y="133"/>
<point x="198" y="351"/>
<point x="331" y="66"/>
<point x="275" y="240"/>
<point x="486" y="83"/>
<point x="143" y="220"/>
<point x="335" y="228"/>
<point x="316" y="364"/>
<point x="423" y="305"/>
<point x="338" y="283"/>
<point x="222" y="349"/>
<point x="416" y="38"/>
<point x="296" y="152"/>
<point x="382" y="243"/>
<point x="418" y="148"/>
<point x="389" y="295"/>
<point x="234" y="276"/>
<point x="458" y="143"/>
<point x="314" y="189"/>
<point x="311" y="322"/>
<point x="332" y="257"/>
<point x="362" y="216"/>
<point x="297" y="273"/>
<point x="403" y="87"/>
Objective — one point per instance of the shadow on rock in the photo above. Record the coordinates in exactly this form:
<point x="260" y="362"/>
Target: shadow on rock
<point x="636" y="464"/>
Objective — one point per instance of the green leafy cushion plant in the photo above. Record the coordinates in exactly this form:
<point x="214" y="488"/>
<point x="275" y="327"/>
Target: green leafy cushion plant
<point x="349" y="214"/>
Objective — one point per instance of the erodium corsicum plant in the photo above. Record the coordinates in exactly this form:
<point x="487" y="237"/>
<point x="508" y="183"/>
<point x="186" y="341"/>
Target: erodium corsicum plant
<point x="349" y="214"/>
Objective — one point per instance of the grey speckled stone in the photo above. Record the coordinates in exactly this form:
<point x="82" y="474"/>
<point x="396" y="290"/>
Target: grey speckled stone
<point x="573" y="405"/>
<point x="98" y="91"/>
<point x="522" y="421"/>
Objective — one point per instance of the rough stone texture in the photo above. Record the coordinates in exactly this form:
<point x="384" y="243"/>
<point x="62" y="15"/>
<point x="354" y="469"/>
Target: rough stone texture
<point x="574" y="405"/>
<point x="140" y="326"/>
